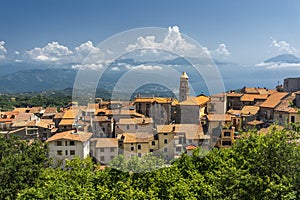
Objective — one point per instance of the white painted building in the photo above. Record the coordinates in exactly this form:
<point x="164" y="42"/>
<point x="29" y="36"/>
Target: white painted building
<point x="104" y="149"/>
<point x="68" y="144"/>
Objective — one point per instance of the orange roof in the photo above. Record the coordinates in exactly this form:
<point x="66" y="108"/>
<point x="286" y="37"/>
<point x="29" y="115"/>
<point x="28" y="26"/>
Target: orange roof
<point x="192" y="131"/>
<point x="232" y="94"/>
<point x="141" y="121"/>
<point x="252" y="97"/>
<point x="191" y="147"/>
<point x="66" y="122"/>
<point x="71" y="114"/>
<point x="100" y="118"/>
<point x="45" y="123"/>
<point x="286" y="105"/>
<point x="218" y="117"/>
<point x="200" y="100"/>
<point x="105" y="142"/>
<point x="159" y="100"/>
<point x="51" y="110"/>
<point x="251" y="91"/>
<point x="136" y="137"/>
<point x="20" y="110"/>
<point x="250" y="110"/>
<point x="234" y="112"/>
<point x="255" y="122"/>
<point x="70" y="135"/>
<point x="273" y="100"/>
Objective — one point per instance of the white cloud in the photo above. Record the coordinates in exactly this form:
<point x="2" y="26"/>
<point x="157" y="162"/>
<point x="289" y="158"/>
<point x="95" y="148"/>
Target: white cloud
<point x="221" y="51"/>
<point x="49" y="53"/>
<point x="17" y="52"/>
<point x="115" y="69"/>
<point x="275" y="65"/>
<point x="283" y="46"/>
<point x="91" y="66"/>
<point x="143" y="67"/>
<point x="173" y="42"/>
<point x="3" y="50"/>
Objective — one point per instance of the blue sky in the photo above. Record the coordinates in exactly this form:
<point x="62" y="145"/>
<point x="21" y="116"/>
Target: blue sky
<point x="246" y="28"/>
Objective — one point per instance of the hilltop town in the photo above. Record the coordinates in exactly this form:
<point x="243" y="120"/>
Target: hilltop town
<point x="160" y="126"/>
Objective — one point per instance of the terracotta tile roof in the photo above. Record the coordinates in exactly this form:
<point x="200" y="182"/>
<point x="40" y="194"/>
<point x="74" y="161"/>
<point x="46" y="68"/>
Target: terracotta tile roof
<point x="124" y="112"/>
<point x="20" y="110"/>
<point x="191" y="147"/>
<point x="71" y="114"/>
<point x="64" y="122"/>
<point x="232" y="94"/>
<point x="191" y="101"/>
<point x="35" y="110"/>
<point x="250" y="110"/>
<point x="263" y="91"/>
<point x="21" y="117"/>
<point x="59" y="115"/>
<point x="136" y="137"/>
<point x="285" y="105"/>
<point x="45" y="123"/>
<point x="105" y="142"/>
<point x="50" y="110"/>
<point x="70" y="135"/>
<point x="252" y="97"/>
<point x="255" y="122"/>
<point x="234" y="112"/>
<point x="219" y="117"/>
<point x="159" y="100"/>
<point x="100" y="118"/>
<point x="192" y="131"/>
<point x="273" y="100"/>
<point x="140" y="121"/>
<point x="251" y="91"/>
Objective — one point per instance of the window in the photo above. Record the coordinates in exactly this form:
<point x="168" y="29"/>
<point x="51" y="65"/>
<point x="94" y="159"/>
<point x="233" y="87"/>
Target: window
<point x="178" y="148"/>
<point x="66" y="143"/>
<point x="226" y="143"/>
<point x="151" y="150"/>
<point x="165" y="133"/>
<point x="139" y="147"/>
<point x="72" y="152"/>
<point x="165" y="150"/>
<point x="72" y="143"/>
<point x="127" y="127"/>
<point x="190" y="141"/>
<point x="165" y="141"/>
<point x="102" y="158"/>
<point x="112" y="149"/>
<point x="153" y="143"/>
<point x="59" y="152"/>
<point x="136" y="126"/>
<point x="58" y="143"/>
<point x="103" y="129"/>
<point x="293" y="119"/>
<point x="112" y="157"/>
<point x="280" y="116"/>
<point x="101" y="149"/>
<point x="227" y="134"/>
<point x="66" y="152"/>
<point x="180" y="140"/>
<point x="132" y="148"/>
<point x="139" y="155"/>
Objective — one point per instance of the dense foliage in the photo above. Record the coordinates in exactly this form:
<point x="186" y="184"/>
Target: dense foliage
<point x="258" y="166"/>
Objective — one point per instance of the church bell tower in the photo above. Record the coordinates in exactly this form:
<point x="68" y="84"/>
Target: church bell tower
<point x="184" y="90"/>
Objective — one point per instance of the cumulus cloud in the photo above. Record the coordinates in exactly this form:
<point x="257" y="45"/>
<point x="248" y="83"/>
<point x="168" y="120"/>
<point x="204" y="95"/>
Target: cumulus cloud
<point x="283" y="46"/>
<point x="50" y="53"/>
<point x="3" y="50"/>
<point x="279" y="65"/>
<point x="91" y="66"/>
<point x="221" y="51"/>
<point x="115" y="69"/>
<point x="143" y="67"/>
<point x="173" y="42"/>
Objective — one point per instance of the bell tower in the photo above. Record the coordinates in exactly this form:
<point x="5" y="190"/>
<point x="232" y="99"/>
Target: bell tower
<point x="184" y="90"/>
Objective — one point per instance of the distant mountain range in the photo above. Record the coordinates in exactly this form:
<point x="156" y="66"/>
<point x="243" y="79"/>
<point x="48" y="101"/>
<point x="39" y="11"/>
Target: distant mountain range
<point x="284" y="58"/>
<point x="32" y="78"/>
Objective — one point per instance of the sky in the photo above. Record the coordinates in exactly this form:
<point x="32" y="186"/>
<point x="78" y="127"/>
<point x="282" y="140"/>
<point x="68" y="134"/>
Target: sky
<point x="244" y="32"/>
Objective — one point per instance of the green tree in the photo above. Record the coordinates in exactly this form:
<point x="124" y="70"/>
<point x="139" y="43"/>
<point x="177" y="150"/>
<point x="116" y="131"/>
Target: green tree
<point x="21" y="163"/>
